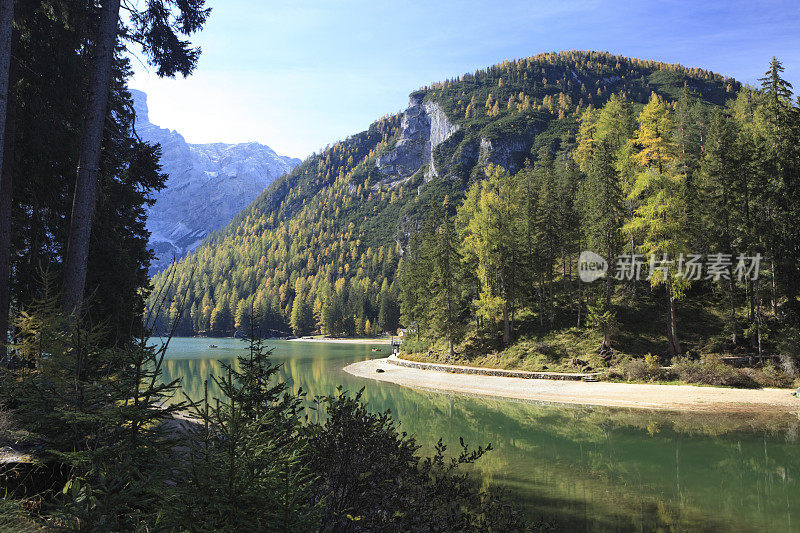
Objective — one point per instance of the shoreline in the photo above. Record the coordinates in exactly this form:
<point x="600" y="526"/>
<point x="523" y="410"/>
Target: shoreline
<point x="601" y="393"/>
<point x="344" y="340"/>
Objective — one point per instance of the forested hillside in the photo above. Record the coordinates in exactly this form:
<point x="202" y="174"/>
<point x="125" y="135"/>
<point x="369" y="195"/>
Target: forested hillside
<point x="320" y="249"/>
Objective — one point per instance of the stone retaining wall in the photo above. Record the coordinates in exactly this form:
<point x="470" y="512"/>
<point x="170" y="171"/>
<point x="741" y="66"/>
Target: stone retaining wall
<point x="458" y="369"/>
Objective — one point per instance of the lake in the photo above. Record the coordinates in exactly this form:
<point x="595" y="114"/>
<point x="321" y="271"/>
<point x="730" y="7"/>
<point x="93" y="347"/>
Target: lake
<point x="581" y="468"/>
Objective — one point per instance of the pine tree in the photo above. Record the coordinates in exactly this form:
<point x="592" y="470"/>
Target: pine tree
<point x="245" y="467"/>
<point x="547" y="232"/>
<point x="779" y="159"/>
<point x="413" y="282"/>
<point x="778" y="89"/>
<point x="102" y="412"/>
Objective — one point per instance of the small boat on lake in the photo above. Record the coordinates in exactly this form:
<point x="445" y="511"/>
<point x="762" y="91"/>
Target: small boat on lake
<point x="377" y="350"/>
<point x="213" y="346"/>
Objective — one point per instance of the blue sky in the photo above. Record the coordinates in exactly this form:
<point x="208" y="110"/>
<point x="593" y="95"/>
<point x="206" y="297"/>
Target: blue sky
<point x="300" y="75"/>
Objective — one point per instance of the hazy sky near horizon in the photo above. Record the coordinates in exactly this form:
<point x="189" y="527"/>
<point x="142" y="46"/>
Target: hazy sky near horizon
<point x="299" y="75"/>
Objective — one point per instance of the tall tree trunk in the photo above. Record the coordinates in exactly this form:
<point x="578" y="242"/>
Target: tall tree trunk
<point x="6" y="27"/>
<point x="551" y="295"/>
<point x="732" y="304"/>
<point x="506" y="322"/>
<point x="541" y="300"/>
<point x="606" y="326"/>
<point x="633" y="277"/>
<point x="80" y="226"/>
<point x="672" y="331"/>
<point x="450" y="319"/>
<point x="774" y="293"/>
<point x="580" y="303"/>
<point x="757" y="298"/>
<point x="566" y="279"/>
<point x="580" y="285"/>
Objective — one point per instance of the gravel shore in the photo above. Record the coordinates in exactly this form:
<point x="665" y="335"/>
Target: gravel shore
<point x="643" y="396"/>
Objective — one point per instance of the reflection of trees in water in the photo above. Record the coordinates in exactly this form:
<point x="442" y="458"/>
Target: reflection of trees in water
<point x="594" y="467"/>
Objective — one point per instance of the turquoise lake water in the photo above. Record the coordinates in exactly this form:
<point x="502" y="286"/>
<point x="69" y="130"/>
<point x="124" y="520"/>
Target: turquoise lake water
<point x="581" y="468"/>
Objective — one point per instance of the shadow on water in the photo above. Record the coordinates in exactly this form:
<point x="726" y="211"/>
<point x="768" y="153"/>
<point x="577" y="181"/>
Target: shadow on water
<point x="581" y="468"/>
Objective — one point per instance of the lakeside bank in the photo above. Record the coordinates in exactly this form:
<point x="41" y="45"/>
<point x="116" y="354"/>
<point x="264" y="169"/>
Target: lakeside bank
<point x="633" y="395"/>
<point x="365" y="340"/>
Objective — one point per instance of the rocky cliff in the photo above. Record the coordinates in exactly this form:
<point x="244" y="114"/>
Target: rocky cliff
<point x="424" y="127"/>
<point x="207" y="185"/>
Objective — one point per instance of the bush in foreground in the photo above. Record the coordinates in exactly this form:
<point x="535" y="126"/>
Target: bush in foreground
<point x="249" y="460"/>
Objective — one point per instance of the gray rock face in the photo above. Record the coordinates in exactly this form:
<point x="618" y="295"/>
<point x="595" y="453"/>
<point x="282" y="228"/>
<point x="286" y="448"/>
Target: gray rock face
<point x="424" y="127"/>
<point x="505" y="154"/>
<point x="207" y="185"/>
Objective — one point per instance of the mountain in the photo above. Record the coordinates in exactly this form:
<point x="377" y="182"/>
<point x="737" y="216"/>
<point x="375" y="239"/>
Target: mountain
<point x="208" y="184"/>
<point x="325" y="240"/>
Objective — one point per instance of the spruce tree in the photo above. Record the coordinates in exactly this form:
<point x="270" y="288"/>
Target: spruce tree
<point x="445" y="309"/>
<point x="157" y="28"/>
<point x="604" y="216"/>
<point x="6" y="189"/>
<point x="720" y="212"/>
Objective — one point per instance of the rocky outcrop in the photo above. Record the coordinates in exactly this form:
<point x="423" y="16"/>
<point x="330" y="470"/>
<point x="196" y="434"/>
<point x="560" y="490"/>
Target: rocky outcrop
<point x="423" y="128"/>
<point x="208" y="185"/>
<point x="507" y="153"/>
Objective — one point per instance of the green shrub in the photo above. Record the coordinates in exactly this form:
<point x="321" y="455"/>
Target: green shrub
<point x="14" y="519"/>
<point x="372" y="478"/>
<point x="245" y="467"/>
<point x="789" y="349"/>
<point x="712" y="371"/>
<point x="647" y="368"/>
<point x="768" y="376"/>
<point x="100" y="414"/>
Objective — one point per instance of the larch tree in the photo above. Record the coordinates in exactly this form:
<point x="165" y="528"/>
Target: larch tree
<point x="587" y="130"/>
<point x="660" y="218"/>
<point x="493" y="239"/>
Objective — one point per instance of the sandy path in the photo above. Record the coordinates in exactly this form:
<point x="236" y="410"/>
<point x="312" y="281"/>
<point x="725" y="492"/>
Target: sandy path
<point x="344" y="341"/>
<point x="663" y="397"/>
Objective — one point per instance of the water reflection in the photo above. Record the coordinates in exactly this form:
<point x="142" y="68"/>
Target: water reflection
<point x="594" y="469"/>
